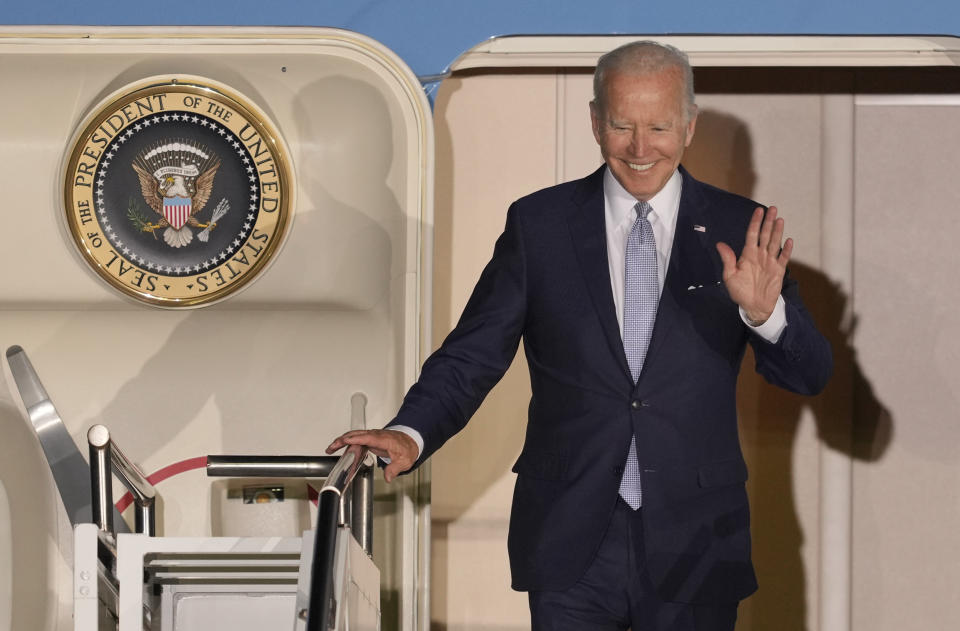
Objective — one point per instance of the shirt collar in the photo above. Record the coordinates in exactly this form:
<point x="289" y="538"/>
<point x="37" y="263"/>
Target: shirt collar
<point x="619" y="203"/>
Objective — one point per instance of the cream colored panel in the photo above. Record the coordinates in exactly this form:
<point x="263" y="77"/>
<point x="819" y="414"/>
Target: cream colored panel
<point x="551" y="51"/>
<point x="269" y="371"/>
<point x="496" y="135"/>
<point x="580" y="154"/>
<point x="348" y="129"/>
<point x="765" y="147"/>
<point x="175" y="386"/>
<point x="906" y="564"/>
<point x="496" y="141"/>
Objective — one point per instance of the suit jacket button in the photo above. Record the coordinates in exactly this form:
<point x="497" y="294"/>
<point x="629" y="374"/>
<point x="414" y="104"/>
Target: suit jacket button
<point x="636" y="404"/>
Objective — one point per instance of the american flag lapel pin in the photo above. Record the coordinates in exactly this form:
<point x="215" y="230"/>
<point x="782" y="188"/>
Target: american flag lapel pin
<point x="698" y="228"/>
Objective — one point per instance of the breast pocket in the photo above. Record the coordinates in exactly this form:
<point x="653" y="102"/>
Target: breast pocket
<point x="714" y="318"/>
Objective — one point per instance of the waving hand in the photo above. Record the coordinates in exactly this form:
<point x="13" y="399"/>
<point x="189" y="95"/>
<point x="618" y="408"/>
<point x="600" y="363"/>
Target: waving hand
<point x="755" y="279"/>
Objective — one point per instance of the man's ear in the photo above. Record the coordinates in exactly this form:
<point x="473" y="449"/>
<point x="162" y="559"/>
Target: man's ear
<point x="691" y="124"/>
<point x="595" y="119"/>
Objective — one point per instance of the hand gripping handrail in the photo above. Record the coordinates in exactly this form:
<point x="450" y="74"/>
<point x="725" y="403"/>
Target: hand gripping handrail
<point x="106" y="458"/>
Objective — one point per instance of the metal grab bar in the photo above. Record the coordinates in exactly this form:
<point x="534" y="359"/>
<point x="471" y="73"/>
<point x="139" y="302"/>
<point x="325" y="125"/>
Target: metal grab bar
<point x="334" y="512"/>
<point x="70" y="471"/>
<point x="321" y="610"/>
<point x="106" y="458"/>
<point x="270" y="466"/>
<point x="345" y="470"/>
<point x="361" y="520"/>
<point x="357" y="511"/>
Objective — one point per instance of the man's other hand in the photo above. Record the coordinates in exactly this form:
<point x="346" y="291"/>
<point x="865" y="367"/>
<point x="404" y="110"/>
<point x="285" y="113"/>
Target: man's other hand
<point x="397" y="447"/>
<point x="755" y="279"/>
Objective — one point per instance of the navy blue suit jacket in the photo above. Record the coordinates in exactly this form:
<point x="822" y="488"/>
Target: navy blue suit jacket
<point x="548" y="283"/>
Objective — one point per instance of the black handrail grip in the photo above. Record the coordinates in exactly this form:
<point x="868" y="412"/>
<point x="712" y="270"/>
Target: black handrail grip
<point x="320" y="612"/>
<point x="321" y="608"/>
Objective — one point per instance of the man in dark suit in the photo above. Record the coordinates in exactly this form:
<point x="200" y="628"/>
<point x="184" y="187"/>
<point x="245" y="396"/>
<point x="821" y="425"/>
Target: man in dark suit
<point x="635" y="291"/>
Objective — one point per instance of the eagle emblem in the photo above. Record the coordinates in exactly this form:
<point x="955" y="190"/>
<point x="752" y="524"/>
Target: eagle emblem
<point x="176" y="180"/>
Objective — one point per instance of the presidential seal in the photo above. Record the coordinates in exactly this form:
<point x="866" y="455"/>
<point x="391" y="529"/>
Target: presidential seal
<point x="177" y="191"/>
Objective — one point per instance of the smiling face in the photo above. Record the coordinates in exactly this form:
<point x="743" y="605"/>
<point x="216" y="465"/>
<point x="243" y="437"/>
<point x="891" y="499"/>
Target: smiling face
<point x="642" y="127"/>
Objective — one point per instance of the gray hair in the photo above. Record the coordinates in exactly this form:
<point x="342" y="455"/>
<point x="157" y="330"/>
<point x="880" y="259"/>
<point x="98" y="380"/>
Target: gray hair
<point x="644" y="57"/>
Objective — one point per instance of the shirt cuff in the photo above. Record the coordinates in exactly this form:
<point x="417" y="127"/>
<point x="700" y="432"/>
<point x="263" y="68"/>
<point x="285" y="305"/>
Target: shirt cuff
<point x="412" y="433"/>
<point x="772" y="329"/>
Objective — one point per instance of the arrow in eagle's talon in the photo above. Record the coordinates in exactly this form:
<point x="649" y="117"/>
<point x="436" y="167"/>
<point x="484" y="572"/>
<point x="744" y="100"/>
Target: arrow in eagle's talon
<point x="218" y="213"/>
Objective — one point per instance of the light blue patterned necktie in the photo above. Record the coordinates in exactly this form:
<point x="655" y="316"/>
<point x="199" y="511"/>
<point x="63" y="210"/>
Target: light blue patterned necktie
<point x="641" y="293"/>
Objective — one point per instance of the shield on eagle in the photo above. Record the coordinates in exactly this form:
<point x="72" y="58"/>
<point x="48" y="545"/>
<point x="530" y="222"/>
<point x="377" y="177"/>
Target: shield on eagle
<point x="176" y="210"/>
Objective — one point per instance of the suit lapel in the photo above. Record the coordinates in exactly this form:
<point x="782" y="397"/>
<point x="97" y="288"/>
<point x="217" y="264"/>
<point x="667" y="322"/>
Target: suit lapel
<point x="693" y="260"/>
<point x="588" y="232"/>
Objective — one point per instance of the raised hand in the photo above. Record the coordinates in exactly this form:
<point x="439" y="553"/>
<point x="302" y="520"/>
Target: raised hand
<point x="383" y="443"/>
<point x="755" y="279"/>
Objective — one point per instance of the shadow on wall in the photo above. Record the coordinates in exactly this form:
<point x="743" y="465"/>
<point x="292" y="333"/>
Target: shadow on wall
<point x="848" y="407"/>
<point x="770" y="418"/>
<point x="273" y="371"/>
<point x="268" y="373"/>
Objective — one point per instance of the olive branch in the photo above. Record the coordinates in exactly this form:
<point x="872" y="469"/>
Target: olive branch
<point x="137" y="218"/>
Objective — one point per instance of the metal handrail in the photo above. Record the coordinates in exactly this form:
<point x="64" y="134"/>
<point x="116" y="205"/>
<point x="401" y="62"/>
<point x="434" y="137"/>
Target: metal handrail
<point x="361" y="521"/>
<point x="98" y="438"/>
<point x="321" y="610"/>
<point x="270" y="466"/>
<point x="357" y="512"/>
<point x="69" y="468"/>
<point x="106" y="458"/>
<point x="334" y="512"/>
<point x="345" y="470"/>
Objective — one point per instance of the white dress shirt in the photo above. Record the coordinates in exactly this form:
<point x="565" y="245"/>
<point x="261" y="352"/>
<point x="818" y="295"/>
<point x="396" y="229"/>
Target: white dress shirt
<point x="619" y="217"/>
